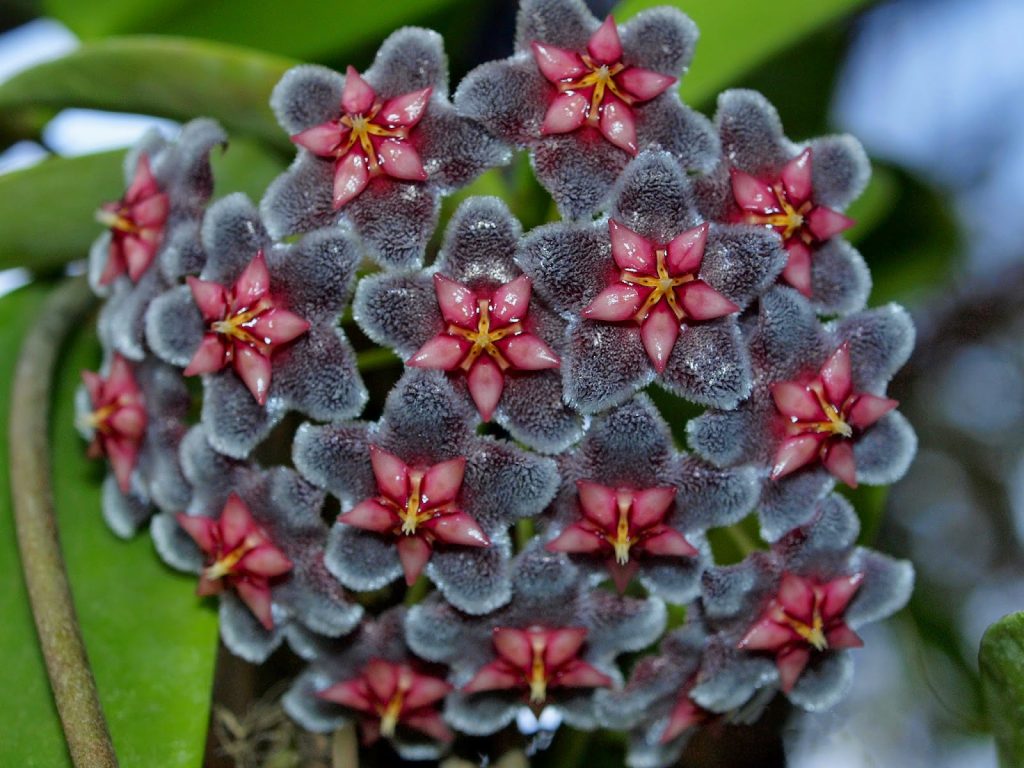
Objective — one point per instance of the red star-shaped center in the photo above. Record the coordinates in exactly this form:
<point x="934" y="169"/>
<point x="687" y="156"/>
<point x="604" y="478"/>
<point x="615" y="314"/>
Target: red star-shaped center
<point x="117" y="420"/>
<point x="485" y="338"/>
<point x="786" y="204"/>
<point x="136" y="224"/>
<point x="596" y="88"/>
<point x="239" y="555"/>
<point x="821" y="418"/>
<point x="418" y="506"/>
<point x="658" y="288"/>
<point x="245" y="325"/>
<point x="805" y="616"/>
<point x="620" y="522"/>
<point x="369" y="138"/>
<point x="389" y="696"/>
<point x="537" y="659"/>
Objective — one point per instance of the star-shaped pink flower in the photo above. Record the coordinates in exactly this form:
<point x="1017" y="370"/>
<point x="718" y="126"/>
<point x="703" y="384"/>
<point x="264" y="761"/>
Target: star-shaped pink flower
<point x="418" y="506"/>
<point x="596" y="88"/>
<point x="118" y="418"/>
<point x="686" y="714"/>
<point x="620" y="522"/>
<point x="370" y="137"/>
<point x="389" y="696"/>
<point x="136" y="224"/>
<point x="239" y="555"/>
<point x="787" y="205"/>
<point x="821" y="418"/>
<point x="537" y="659"/>
<point x="658" y="288"/>
<point x="805" y="616"/>
<point x="485" y="338"/>
<point x="245" y="325"/>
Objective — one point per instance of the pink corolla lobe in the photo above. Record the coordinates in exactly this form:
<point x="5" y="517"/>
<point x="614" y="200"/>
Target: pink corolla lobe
<point x="485" y="338"/>
<point x="136" y="223"/>
<point x="804" y="617"/>
<point x="822" y="417"/>
<point x="389" y="695"/>
<point x="596" y="88"/>
<point x="245" y="325"/>
<point x="240" y="555"/>
<point x="620" y="523"/>
<point x="658" y="288"/>
<point x="786" y="204"/>
<point x="118" y="418"/>
<point x="537" y="659"/>
<point x="418" y="506"/>
<point x="369" y="138"/>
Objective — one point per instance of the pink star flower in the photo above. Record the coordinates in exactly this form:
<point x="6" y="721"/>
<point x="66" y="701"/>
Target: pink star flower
<point x="136" y="224"/>
<point x="618" y="522"/>
<point x="658" y="288"/>
<point x="388" y="695"/>
<point x="821" y="417"/>
<point x="245" y="325"/>
<point x="117" y="420"/>
<point x="537" y="659"/>
<point x="485" y="339"/>
<point x="239" y="555"/>
<point x="418" y="506"/>
<point x="370" y="137"/>
<point x="804" y="617"/>
<point x="686" y="714"/>
<point x="786" y="204"/>
<point x="596" y="88"/>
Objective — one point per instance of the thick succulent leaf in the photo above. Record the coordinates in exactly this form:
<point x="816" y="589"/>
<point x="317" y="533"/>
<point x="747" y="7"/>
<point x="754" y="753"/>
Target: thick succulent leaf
<point x="171" y="77"/>
<point x="1002" y="677"/>
<point x="156" y="717"/>
<point x="69" y="190"/>
<point x="736" y="36"/>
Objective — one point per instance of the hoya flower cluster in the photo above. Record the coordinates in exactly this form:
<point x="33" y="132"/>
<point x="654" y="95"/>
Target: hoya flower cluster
<point x="518" y="517"/>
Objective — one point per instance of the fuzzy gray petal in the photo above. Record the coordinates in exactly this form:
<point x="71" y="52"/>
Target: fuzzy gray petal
<point x="604" y="365"/>
<point x="661" y="39"/>
<point x="509" y="98"/>
<point x="840" y="170"/>
<point x="307" y="95"/>
<point x="243" y="635"/>
<point x="887" y="586"/>
<point x="884" y="452"/>
<point x="174" y="326"/>
<point x="457" y="149"/>
<point x="336" y="457"/>
<point x="568" y="263"/>
<point x="473" y="579"/>
<point x="563" y="23"/>
<point x="824" y="682"/>
<point x="361" y="560"/>
<point x="410" y="59"/>
<point x="709" y="365"/>
<point x="840" y="280"/>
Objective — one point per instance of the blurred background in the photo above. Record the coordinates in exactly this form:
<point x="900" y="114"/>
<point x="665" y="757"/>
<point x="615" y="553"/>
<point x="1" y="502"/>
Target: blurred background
<point x="933" y="88"/>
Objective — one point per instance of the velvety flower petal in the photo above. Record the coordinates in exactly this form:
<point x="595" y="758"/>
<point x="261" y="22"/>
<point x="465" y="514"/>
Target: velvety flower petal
<point x="554" y="22"/>
<point x="567" y="263"/>
<point x="709" y="365"/>
<point x="604" y="365"/>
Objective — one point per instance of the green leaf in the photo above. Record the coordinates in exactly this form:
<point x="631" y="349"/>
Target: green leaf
<point x="54" y="219"/>
<point x="1001" y="660"/>
<point x="178" y="78"/>
<point x="305" y="29"/>
<point x="150" y="640"/>
<point x="104" y="17"/>
<point x="737" y="35"/>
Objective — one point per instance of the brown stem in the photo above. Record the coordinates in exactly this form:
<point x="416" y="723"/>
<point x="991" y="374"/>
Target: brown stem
<point x="45" y="576"/>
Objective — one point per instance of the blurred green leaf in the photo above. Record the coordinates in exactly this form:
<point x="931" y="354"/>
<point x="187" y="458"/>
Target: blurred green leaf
<point x="171" y="77"/>
<point x="1001" y="660"/>
<point x="106" y="17"/>
<point x="305" y="29"/>
<point x="737" y="35"/>
<point x="153" y="667"/>
<point x="53" y="221"/>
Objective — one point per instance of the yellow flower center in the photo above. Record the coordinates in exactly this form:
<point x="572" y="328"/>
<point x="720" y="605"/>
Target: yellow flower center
<point x="663" y="286"/>
<point x="790" y="220"/>
<point x="483" y="338"/>
<point x="602" y="78"/>
<point x="361" y="128"/>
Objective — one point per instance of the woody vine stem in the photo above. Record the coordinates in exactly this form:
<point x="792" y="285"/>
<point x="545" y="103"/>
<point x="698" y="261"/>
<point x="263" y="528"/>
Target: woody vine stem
<point x="60" y="638"/>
